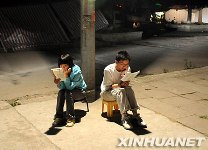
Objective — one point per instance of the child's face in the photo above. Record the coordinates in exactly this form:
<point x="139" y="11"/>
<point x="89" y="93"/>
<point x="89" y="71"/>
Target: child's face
<point x="65" y="67"/>
<point x="122" y="65"/>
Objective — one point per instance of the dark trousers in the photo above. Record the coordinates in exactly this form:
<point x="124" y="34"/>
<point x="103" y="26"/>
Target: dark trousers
<point x="68" y="96"/>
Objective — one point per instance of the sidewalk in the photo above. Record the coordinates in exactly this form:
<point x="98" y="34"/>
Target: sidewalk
<point x="171" y="104"/>
<point x="181" y="96"/>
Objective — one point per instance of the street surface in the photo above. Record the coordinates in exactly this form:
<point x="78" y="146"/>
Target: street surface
<point x="29" y="71"/>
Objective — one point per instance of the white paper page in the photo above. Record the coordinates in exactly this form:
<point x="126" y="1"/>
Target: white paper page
<point x="129" y="76"/>
<point x="58" y="72"/>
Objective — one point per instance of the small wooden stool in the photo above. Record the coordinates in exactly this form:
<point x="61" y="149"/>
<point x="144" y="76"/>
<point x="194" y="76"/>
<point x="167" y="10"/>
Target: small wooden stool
<point x="110" y="105"/>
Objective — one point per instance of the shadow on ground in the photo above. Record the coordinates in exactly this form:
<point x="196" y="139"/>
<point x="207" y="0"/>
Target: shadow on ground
<point x="116" y="118"/>
<point x="53" y="130"/>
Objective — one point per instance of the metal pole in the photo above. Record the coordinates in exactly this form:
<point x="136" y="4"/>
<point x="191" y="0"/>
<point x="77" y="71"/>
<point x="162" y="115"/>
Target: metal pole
<point x="88" y="42"/>
<point x="189" y="14"/>
<point x="200" y="16"/>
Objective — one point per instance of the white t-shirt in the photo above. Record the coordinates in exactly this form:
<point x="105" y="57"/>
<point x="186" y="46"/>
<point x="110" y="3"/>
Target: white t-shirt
<point x="111" y="76"/>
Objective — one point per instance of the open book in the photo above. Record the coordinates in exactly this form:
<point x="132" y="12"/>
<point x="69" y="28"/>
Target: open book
<point x="129" y="76"/>
<point x="58" y="72"/>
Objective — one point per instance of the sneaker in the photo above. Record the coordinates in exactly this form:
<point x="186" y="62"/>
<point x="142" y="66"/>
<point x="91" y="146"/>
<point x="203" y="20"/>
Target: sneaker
<point x="140" y="122"/>
<point x="70" y="122"/>
<point x="58" y="121"/>
<point x="126" y="124"/>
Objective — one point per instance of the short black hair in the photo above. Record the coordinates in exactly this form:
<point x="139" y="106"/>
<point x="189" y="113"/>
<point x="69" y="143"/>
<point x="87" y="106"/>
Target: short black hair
<point x="123" y="55"/>
<point x="66" y="59"/>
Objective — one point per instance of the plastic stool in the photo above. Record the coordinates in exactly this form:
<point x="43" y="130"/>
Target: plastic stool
<point x="110" y="105"/>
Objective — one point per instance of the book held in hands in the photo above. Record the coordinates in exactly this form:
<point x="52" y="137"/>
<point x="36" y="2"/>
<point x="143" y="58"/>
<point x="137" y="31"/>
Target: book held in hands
<point x="129" y="76"/>
<point x="59" y="73"/>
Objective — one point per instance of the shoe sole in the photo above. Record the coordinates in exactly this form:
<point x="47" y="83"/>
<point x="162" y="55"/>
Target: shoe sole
<point x="68" y="126"/>
<point x="128" y="129"/>
<point x="71" y="125"/>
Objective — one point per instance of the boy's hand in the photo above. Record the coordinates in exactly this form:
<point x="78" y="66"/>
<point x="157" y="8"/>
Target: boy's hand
<point x="124" y="83"/>
<point x="115" y="86"/>
<point x="57" y="81"/>
<point x="67" y="73"/>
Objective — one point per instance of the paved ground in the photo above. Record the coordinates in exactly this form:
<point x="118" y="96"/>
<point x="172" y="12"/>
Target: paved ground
<point x="173" y="105"/>
<point x="181" y="96"/>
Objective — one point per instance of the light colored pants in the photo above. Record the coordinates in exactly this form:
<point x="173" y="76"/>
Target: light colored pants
<point x="125" y="98"/>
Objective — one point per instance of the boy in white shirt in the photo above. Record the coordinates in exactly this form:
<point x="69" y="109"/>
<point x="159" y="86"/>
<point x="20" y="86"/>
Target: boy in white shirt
<point x="112" y="88"/>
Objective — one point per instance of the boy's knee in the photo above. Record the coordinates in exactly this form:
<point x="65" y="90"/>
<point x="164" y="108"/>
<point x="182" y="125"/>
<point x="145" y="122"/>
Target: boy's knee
<point x="122" y="90"/>
<point x="61" y="91"/>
